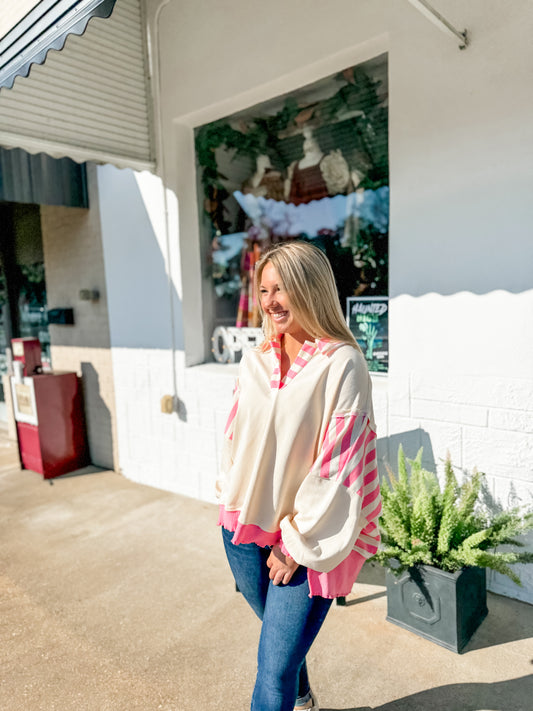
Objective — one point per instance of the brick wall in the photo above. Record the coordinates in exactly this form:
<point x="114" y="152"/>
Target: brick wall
<point x="176" y="452"/>
<point x="483" y="422"/>
<point x="73" y="261"/>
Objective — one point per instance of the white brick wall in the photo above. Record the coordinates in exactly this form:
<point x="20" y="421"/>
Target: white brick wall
<point x="514" y="420"/>
<point x="462" y="377"/>
<point x="486" y="390"/>
<point x="446" y="412"/>
<point x="496" y="440"/>
<point x="172" y="452"/>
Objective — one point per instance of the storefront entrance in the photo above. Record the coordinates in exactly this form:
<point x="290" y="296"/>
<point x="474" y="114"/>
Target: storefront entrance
<point x="22" y="283"/>
<point x="28" y="181"/>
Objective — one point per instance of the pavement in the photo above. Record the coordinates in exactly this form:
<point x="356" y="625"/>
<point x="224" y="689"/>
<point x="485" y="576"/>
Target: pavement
<point x="116" y="597"/>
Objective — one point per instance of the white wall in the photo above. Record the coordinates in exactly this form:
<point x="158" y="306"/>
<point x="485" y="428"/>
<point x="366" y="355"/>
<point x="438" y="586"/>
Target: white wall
<point x="177" y="452"/>
<point x="461" y="262"/>
<point x="461" y="258"/>
<point x="461" y="381"/>
<point x="132" y="213"/>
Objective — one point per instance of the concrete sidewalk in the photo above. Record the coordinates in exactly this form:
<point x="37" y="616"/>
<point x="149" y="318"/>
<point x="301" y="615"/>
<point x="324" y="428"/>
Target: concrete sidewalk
<point x="116" y="596"/>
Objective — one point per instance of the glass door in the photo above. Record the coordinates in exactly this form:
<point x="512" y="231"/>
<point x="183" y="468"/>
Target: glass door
<point x="22" y="283"/>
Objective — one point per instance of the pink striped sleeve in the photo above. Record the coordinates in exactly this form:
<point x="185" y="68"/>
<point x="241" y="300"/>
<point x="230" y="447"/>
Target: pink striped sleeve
<point x="358" y="471"/>
<point x="357" y="468"/>
<point x="337" y="505"/>
<point x="228" y="430"/>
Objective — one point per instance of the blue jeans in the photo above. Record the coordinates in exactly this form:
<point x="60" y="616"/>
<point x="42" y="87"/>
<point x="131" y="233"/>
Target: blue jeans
<point x="291" y="621"/>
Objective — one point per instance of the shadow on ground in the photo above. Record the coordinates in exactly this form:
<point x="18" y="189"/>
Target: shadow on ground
<point x="90" y="469"/>
<point x="500" y="696"/>
<point x="508" y="621"/>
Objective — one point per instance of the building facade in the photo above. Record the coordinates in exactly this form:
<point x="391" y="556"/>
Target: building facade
<point x="459" y="257"/>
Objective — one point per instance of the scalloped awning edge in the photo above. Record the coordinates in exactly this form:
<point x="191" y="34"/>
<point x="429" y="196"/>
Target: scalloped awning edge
<point x="44" y="28"/>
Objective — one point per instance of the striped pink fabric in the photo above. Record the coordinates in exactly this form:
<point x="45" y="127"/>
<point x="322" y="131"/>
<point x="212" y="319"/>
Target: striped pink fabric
<point x="307" y="351"/>
<point x="339" y="581"/>
<point x="349" y="455"/>
<point x="228" y="430"/>
<point x="299" y="363"/>
<point x="276" y="373"/>
<point x="248" y="532"/>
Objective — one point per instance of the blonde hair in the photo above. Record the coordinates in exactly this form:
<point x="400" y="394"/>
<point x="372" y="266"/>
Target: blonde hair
<point x="307" y="277"/>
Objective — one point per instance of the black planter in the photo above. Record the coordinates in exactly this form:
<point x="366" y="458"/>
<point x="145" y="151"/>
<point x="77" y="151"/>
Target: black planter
<point x="445" y="608"/>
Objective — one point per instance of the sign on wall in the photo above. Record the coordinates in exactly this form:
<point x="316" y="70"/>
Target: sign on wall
<point x="368" y="320"/>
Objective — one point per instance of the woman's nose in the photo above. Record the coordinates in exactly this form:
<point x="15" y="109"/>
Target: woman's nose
<point x="269" y="300"/>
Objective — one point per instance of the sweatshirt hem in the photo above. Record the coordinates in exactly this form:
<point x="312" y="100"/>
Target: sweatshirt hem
<point x="336" y="583"/>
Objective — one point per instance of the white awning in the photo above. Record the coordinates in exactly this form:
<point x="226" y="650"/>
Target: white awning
<point x="90" y="101"/>
<point x="46" y="26"/>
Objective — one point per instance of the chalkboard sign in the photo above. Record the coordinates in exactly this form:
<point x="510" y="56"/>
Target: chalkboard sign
<point x="368" y="320"/>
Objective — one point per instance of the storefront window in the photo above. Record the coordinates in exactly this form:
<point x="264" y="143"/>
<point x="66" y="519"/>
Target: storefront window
<point x="33" y="317"/>
<point x="312" y="165"/>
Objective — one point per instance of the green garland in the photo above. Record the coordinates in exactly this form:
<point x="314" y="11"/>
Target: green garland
<point x="358" y="90"/>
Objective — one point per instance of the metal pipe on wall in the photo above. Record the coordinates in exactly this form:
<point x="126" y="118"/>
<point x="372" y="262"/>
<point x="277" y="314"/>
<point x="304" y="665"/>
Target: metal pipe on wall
<point x="441" y="22"/>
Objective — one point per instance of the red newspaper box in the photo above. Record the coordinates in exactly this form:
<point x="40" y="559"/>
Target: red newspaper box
<point x="50" y="423"/>
<point x="49" y="414"/>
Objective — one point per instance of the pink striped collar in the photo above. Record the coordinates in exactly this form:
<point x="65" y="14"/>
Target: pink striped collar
<point x="307" y="351"/>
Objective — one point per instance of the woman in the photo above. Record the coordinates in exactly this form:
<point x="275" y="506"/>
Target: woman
<point x="299" y="490"/>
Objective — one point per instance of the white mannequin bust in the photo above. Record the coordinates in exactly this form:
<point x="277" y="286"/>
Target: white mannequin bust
<point x="262" y="164"/>
<point x="356" y="175"/>
<point x="312" y="153"/>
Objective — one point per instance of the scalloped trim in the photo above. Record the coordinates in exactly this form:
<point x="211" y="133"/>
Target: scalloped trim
<point x="15" y="67"/>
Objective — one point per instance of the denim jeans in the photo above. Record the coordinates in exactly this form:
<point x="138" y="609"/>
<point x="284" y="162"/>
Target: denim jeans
<point x="291" y="621"/>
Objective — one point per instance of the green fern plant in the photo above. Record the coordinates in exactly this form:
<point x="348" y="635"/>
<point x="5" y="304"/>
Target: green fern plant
<point x="422" y="523"/>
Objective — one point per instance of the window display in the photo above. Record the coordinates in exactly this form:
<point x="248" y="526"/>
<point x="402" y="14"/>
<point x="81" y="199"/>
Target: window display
<point x="311" y="165"/>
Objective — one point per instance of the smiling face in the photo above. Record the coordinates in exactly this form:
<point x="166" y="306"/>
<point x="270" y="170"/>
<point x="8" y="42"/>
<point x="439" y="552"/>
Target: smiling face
<point x="276" y="304"/>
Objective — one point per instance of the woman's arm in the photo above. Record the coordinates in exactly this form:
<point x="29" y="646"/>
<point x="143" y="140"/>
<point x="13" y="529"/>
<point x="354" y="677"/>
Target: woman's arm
<point x="337" y="505"/>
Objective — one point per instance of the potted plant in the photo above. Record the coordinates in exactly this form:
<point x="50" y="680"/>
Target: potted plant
<point x="436" y="545"/>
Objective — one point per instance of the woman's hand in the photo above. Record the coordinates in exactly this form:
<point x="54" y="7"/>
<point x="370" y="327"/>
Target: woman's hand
<point x="281" y="567"/>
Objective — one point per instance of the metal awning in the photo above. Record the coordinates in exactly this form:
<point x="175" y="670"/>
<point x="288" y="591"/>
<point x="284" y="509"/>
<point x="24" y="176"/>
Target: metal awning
<point x="45" y="27"/>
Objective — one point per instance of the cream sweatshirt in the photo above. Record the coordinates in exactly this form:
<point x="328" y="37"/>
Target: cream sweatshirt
<point x="299" y="456"/>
